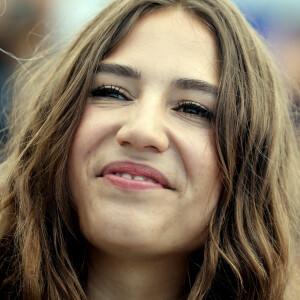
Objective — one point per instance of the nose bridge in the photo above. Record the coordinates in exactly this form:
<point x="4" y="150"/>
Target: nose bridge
<point x="145" y="126"/>
<point x="149" y="114"/>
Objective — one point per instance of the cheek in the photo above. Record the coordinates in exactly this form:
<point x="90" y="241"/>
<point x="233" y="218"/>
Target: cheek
<point x="200" y="159"/>
<point x="203" y="186"/>
<point x="201" y="201"/>
<point x="95" y="129"/>
<point x="86" y="139"/>
<point x="91" y="131"/>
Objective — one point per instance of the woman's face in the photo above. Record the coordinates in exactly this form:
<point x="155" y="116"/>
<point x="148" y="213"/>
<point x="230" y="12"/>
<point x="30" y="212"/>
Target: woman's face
<point x="143" y="168"/>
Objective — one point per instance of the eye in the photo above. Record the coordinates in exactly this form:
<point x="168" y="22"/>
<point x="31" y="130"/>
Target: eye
<point x="111" y="92"/>
<point x="194" y="109"/>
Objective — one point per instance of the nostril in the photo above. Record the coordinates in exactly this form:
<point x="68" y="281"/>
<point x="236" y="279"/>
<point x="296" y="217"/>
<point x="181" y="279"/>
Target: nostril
<point x="143" y="138"/>
<point x="124" y="143"/>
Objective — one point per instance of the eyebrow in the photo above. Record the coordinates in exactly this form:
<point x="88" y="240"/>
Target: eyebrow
<point x="197" y="85"/>
<point x="119" y="70"/>
<point x="182" y="83"/>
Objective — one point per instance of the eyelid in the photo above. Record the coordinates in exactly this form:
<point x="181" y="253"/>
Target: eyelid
<point x="192" y="102"/>
<point x="189" y="102"/>
<point x="115" y="88"/>
<point x="209" y="116"/>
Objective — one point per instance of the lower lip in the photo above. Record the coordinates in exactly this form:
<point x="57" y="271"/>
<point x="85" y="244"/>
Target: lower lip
<point x="131" y="184"/>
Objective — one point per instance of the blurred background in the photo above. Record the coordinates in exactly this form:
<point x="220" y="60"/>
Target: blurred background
<point x="23" y="23"/>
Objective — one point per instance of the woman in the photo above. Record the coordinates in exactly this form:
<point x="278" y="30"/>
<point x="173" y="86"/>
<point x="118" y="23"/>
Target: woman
<point x="153" y="159"/>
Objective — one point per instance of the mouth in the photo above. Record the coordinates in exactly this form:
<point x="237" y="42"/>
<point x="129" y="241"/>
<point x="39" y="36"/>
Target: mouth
<point x="133" y="175"/>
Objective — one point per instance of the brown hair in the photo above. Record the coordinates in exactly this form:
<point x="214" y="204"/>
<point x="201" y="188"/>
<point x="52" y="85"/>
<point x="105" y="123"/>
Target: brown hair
<point x="252" y="233"/>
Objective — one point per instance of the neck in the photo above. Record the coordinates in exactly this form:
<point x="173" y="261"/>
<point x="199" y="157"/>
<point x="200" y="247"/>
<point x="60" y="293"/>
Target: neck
<point x="112" y="278"/>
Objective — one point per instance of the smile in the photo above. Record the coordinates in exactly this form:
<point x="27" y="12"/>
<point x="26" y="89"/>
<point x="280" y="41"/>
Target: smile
<point x="137" y="177"/>
<point x="130" y="175"/>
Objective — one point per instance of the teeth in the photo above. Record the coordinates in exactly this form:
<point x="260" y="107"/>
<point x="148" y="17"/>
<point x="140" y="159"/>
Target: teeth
<point x="125" y="175"/>
<point x="129" y="176"/>
<point x="151" y="180"/>
<point x="139" y="178"/>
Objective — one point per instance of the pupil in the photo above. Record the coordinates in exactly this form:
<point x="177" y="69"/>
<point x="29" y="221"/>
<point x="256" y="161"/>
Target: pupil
<point x="192" y="110"/>
<point x="189" y="110"/>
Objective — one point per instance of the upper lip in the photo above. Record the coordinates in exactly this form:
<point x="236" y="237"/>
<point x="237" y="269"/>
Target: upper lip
<point x="136" y="169"/>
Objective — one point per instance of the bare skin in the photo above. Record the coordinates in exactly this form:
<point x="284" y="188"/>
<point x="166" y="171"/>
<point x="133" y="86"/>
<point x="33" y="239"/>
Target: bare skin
<point x="139" y="239"/>
<point x="112" y="278"/>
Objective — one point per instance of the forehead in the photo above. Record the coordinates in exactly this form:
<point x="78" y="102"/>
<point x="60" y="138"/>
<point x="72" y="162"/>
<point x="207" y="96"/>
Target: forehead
<point x="173" y="40"/>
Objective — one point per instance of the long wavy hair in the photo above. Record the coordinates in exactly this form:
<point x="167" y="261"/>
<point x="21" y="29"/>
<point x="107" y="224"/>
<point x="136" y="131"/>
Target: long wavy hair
<point x="252" y="233"/>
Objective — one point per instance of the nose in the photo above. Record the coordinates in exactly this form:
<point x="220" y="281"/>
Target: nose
<point x="144" y="129"/>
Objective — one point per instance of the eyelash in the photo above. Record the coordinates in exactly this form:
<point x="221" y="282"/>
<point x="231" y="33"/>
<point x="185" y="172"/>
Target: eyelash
<point x="190" y="108"/>
<point x="107" y="91"/>
<point x="199" y="111"/>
